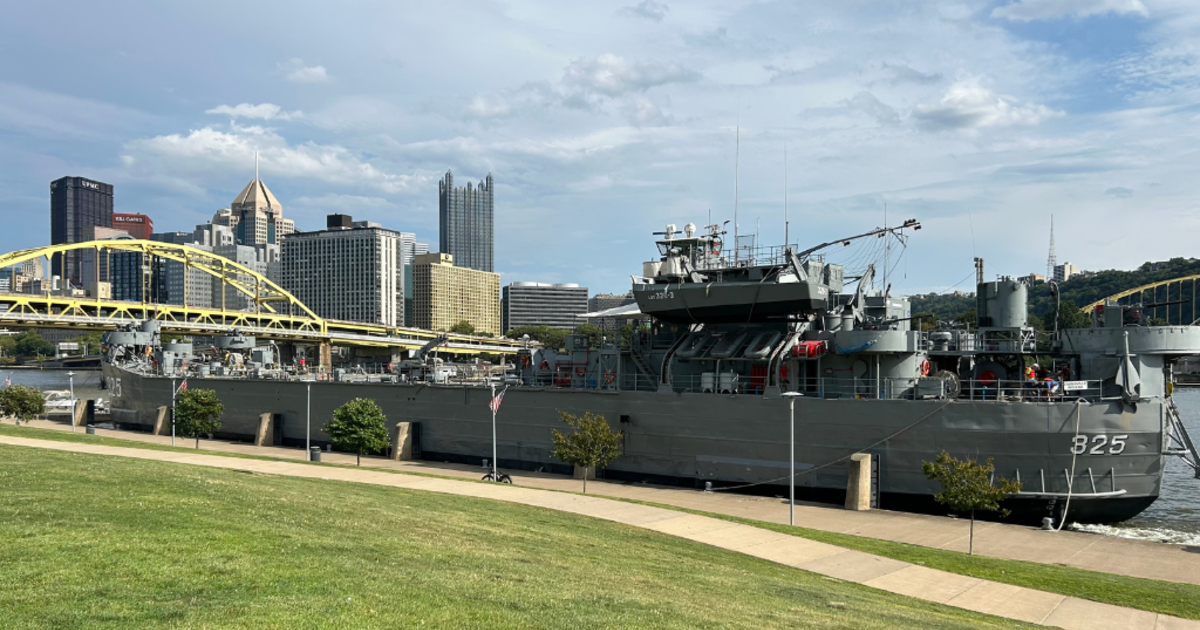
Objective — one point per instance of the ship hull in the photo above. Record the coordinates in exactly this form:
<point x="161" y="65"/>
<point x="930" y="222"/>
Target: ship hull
<point x="690" y="438"/>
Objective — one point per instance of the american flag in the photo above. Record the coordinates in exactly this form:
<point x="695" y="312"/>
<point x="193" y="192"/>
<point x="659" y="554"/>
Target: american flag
<point x="495" y="404"/>
<point x="183" y="386"/>
<point x="8" y="381"/>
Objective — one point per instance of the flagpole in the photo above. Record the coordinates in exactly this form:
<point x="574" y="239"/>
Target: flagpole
<point x="172" y="412"/>
<point x="495" y="470"/>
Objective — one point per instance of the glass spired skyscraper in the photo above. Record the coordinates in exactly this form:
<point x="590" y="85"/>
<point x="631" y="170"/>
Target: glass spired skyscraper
<point x="465" y="223"/>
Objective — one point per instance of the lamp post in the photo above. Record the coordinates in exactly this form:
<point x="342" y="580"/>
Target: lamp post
<point x="495" y="467"/>
<point x="791" y="396"/>
<point x="172" y="412"/>
<point x="308" y="424"/>
<point x="71" y="380"/>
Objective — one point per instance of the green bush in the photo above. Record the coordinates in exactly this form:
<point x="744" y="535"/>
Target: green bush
<point x="359" y="427"/>
<point x="198" y="412"/>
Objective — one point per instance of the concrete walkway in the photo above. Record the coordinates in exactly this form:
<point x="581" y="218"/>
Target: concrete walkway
<point x="1121" y="556"/>
<point x="983" y="596"/>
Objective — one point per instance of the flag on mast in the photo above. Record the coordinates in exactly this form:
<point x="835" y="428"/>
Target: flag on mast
<point x="182" y="386"/>
<point x="495" y="404"/>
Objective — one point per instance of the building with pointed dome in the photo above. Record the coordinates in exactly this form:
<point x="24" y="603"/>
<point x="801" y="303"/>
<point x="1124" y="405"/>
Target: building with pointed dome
<point x="256" y="216"/>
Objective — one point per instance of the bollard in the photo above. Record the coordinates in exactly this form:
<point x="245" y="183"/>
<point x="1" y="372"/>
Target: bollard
<point x="1047" y="524"/>
<point x="91" y="429"/>
<point x="314" y="454"/>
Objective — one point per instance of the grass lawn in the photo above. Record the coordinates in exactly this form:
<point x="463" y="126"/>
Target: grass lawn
<point x="92" y="541"/>
<point x="1180" y="600"/>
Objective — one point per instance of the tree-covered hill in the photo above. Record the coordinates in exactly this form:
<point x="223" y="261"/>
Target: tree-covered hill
<point x="1083" y="290"/>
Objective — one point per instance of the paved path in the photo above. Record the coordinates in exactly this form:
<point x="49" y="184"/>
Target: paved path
<point x="1136" y="558"/>
<point x="983" y="596"/>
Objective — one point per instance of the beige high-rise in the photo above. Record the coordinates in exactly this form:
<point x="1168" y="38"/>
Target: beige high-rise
<point x="444" y="295"/>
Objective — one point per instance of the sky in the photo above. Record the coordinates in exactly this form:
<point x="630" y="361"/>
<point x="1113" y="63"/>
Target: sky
<point x="602" y="122"/>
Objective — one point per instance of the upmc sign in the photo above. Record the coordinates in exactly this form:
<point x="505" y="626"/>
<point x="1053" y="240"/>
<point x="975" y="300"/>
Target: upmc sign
<point x="86" y="184"/>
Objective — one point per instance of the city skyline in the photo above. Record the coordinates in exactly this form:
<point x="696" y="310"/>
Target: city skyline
<point x="610" y="125"/>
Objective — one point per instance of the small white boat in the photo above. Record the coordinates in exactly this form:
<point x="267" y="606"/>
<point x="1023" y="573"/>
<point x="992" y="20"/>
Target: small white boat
<point x="58" y="400"/>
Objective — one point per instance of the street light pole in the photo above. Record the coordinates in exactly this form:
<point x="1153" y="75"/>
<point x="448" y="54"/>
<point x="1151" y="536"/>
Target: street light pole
<point x="172" y="412"/>
<point x="495" y="469"/>
<point x="791" y="396"/>
<point x="308" y="425"/>
<point x="71" y="380"/>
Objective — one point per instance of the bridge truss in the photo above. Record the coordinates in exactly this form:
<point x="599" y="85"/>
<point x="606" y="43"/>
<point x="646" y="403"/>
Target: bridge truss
<point x="1173" y="299"/>
<point x="271" y="312"/>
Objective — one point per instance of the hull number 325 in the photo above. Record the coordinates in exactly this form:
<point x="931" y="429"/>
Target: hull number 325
<point x="1099" y="444"/>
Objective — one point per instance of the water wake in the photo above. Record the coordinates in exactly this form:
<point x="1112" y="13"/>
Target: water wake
<point x="1154" y="534"/>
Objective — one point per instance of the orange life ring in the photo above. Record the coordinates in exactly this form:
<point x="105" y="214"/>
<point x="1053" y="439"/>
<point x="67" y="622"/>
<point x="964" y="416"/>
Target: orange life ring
<point x="609" y="377"/>
<point x="925" y="367"/>
<point x="545" y="364"/>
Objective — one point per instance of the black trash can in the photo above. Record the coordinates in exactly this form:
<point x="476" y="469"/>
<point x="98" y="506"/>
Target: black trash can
<point x="91" y="428"/>
<point x="91" y="412"/>
<point x="314" y="454"/>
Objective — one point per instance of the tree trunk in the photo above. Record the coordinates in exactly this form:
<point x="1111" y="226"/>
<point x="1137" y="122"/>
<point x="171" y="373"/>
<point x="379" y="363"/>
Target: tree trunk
<point x="971" y="538"/>
<point x="585" y="472"/>
<point x="358" y="461"/>
<point x="197" y="442"/>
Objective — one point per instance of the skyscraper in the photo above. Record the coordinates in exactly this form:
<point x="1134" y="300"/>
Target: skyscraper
<point x="76" y="203"/>
<point x="465" y="223"/>
<point x="352" y="271"/>
<point x="256" y="215"/>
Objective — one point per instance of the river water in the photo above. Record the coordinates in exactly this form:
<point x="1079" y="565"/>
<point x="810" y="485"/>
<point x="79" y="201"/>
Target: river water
<point x="1174" y="517"/>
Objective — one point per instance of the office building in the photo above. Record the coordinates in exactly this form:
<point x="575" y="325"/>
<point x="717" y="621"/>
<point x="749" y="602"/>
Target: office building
<point x="605" y="301"/>
<point x="409" y="248"/>
<point x="351" y="270"/>
<point x="76" y="203"/>
<point x="445" y="294"/>
<point x="256" y="215"/>
<point x="1063" y="272"/>
<point x="137" y="278"/>
<point x="136" y="225"/>
<point x="465" y="229"/>
<point x="540" y="304"/>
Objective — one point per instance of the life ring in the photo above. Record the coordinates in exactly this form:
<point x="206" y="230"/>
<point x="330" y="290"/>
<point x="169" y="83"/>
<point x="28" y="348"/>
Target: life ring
<point x="925" y="367"/>
<point x="987" y="378"/>
<point x="609" y="377"/>
<point x="545" y="364"/>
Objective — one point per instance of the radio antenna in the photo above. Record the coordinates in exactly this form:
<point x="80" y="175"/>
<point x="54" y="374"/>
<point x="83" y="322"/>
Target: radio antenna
<point x="785" y="186"/>
<point x="737" y="152"/>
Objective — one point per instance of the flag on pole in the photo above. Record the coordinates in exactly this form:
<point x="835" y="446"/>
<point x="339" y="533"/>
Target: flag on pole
<point x="182" y="386"/>
<point x="495" y="404"/>
<point x="8" y="381"/>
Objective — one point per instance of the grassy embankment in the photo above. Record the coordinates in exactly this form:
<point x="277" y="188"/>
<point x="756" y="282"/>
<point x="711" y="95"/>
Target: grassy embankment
<point x="94" y="542"/>
<point x="1180" y="600"/>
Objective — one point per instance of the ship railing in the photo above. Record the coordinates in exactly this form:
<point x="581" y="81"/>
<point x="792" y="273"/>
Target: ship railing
<point x="933" y="388"/>
<point x="750" y="256"/>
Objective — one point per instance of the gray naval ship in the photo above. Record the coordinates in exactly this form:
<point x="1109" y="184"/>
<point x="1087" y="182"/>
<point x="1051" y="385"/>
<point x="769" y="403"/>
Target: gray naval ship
<point x="703" y="391"/>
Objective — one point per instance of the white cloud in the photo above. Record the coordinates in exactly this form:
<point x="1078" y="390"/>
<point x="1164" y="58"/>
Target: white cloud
<point x="969" y="105"/>
<point x="1120" y="192"/>
<point x="648" y="9"/>
<point x="294" y="70"/>
<point x="612" y="75"/>
<point x="642" y="112"/>
<point x="203" y="151"/>
<point x="1030" y="10"/>
<point x="263" y="111"/>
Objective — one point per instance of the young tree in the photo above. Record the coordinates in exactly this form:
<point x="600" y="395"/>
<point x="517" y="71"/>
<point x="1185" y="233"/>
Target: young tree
<point x="197" y="412"/>
<point x="968" y="485"/>
<point x="31" y="344"/>
<point x="358" y="426"/>
<point x="463" y="327"/>
<point x="22" y="402"/>
<point x="590" y="444"/>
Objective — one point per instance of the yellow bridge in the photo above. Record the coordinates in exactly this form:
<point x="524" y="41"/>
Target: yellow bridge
<point x="276" y="314"/>
<point x="1158" y="295"/>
